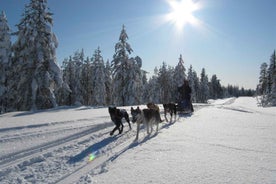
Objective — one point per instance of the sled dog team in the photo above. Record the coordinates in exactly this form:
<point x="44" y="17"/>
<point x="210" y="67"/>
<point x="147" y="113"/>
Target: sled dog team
<point x="148" y="116"/>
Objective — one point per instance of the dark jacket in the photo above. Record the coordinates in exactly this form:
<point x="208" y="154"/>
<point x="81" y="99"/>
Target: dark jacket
<point x="185" y="91"/>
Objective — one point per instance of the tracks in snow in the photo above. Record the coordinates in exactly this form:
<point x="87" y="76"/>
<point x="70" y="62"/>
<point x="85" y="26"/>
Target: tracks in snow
<point x="13" y="158"/>
<point x="64" y="158"/>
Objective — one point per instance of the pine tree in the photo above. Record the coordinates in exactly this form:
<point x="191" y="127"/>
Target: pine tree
<point x="119" y="66"/>
<point x="64" y="93"/>
<point x="108" y="83"/>
<point x="204" y="88"/>
<point x="163" y="80"/>
<point x="35" y="58"/>
<point x="126" y="73"/>
<point x="180" y="74"/>
<point x="196" y="86"/>
<point x="263" y="79"/>
<point x="99" y="97"/>
<point x="72" y="75"/>
<point x="86" y="79"/>
<point x="5" y="59"/>
<point x="134" y="81"/>
<point x="272" y="80"/>
<point x="192" y="81"/>
<point x="78" y="60"/>
<point x="153" y="89"/>
<point x="215" y="88"/>
<point x="144" y="84"/>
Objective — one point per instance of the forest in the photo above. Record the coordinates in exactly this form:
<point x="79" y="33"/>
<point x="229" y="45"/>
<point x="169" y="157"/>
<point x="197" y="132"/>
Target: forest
<point x="31" y="77"/>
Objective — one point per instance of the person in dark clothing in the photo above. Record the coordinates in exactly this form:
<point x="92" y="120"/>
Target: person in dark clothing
<point x="185" y="93"/>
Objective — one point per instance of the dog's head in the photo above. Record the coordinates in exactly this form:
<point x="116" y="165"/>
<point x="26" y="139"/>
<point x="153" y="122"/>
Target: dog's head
<point x="114" y="113"/>
<point x="169" y="106"/>
<point x="112" y="110"/>
<point x="135" y="113"/>
<point x="153" y="106"/>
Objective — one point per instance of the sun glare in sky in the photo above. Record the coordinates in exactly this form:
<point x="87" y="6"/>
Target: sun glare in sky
<point x="181" y="13"/>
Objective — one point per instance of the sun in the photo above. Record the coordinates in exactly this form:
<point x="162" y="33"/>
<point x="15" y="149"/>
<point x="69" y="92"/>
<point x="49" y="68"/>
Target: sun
<point x="182" y="13"/>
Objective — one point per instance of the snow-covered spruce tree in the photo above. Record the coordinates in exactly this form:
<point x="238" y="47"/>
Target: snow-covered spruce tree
<point x="64" y="93"/>
<point x="152" y="91"/>
<point x="204" y="88"/>
<point x="78" y="60"/>
<point x="35" y="59"/>
<point x="123" y="68"/>
<point x="64" y="96"/>
<point x="196" y="86"/>
<point x="232" y="91"/>
<point x="272" y="80"/>
<point x="99" y="90"/>
<point x="72" y="69"/>
<point x="263" y="84"/>
<point x="86" y="79"/>
<point x="179" y="76"/>
<point x="5" y="59"/>
<point x="215" y="88"/>
<point x="144" y="84"/>
<point x="270" y="73"/>
<point x="166" y="82"/>
<point x="192" y="82"/>
<point x="108" y="83"/>
<point x="134" y="87"/>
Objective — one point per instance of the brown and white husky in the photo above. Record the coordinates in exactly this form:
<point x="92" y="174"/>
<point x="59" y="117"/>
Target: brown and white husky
<point x="146" y="116"/>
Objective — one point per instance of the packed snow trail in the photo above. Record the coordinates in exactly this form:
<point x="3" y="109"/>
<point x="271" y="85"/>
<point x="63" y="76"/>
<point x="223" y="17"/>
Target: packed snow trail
<point x="9" y="159"/>
<point x="218" y="144"/>
<point x="225" y="141"/>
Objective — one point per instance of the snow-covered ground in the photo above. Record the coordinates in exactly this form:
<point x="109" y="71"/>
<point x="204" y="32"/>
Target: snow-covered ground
<point x="228" y="141"/>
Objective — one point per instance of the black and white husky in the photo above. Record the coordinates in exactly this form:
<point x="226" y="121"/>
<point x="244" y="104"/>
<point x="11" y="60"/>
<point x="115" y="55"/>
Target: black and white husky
<point x="146" y="116"/>
<point x="116" y="116"/>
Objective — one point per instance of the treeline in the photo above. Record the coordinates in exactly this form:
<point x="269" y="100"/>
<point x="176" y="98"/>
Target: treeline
<point x="30" y="77"/>
<point x="92" y="82"/>
<point x="267" y="82"/>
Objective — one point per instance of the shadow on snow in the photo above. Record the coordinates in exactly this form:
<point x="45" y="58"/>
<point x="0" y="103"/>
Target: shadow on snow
<point x="92" y="149"/>
<point x="95" y="148"/>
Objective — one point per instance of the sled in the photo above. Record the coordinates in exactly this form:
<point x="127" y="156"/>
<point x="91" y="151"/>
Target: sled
<point x="184" y="107"/>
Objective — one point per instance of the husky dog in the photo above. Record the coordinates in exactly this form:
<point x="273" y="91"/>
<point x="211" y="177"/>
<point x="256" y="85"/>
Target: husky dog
<point x="170" y="108"/>
<point x="116" y="116"/>
<point x="146" y="116"/>
<point x="153" y="106"/>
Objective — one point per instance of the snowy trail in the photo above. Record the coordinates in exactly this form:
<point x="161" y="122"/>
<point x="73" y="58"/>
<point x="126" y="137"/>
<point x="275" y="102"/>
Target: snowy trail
<point x="108" y="148"/>
<point x="116" y="147"/>
<point x="55" y="146"/>
<point x="215" y="145"/>
<point x="47" y="134"/>
<point x="12" y="158"/>
<point x="74" y="136"/>
<point x="59" y="137"/>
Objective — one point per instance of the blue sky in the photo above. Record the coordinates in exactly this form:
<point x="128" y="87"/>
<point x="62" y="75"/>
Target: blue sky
<point x="232" y="39"/>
